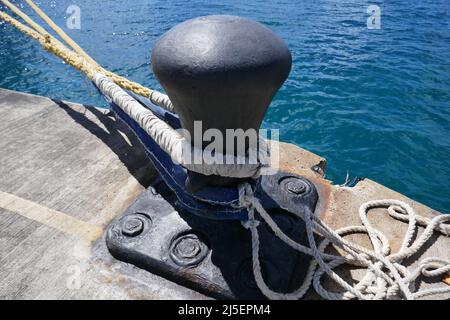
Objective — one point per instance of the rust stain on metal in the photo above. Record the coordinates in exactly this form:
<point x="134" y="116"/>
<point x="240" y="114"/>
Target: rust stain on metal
<point x="324" y="188"/>
<point x="190" y="275"/>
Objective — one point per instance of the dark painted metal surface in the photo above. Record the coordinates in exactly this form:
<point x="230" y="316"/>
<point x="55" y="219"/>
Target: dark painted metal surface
<point x="213" y="256"/>
<point x="222" y="70"/>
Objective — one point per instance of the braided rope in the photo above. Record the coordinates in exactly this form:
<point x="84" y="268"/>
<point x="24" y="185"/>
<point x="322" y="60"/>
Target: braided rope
<point x="385" y="276"/>
<point x="78" y="59"/>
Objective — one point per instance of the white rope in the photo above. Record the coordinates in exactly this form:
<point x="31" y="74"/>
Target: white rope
<point x="385" y="276"/>
<point x="174" y="144"/>
<point x="162" y="100"/>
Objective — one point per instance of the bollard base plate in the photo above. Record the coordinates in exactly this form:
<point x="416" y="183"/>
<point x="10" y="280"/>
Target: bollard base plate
<point x="213" y="257"/>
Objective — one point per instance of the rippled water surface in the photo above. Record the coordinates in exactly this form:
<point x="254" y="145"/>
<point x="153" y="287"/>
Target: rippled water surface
<point x="375" y="103"/>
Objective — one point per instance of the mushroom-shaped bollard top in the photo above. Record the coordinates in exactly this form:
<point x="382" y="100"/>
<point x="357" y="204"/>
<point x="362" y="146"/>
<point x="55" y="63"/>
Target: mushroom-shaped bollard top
<point x="222" y="70"/>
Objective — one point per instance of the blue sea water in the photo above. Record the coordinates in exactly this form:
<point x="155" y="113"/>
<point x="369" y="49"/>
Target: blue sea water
<point x="374" y="102"/>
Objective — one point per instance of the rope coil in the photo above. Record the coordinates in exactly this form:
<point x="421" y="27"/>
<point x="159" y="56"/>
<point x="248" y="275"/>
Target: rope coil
<point x="385" y="277"/>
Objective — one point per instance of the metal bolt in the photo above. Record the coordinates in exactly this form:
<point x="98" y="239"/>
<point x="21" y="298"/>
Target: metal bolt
<point x="132" y="226"/>
<point x="296" y="187"/>
<point x="188" y="250"/>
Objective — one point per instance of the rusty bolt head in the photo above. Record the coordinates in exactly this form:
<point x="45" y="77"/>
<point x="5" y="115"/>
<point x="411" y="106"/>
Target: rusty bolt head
<point x="297" y="187"/>
<point x="188" y="250"/>
<point x="132" y="226"/>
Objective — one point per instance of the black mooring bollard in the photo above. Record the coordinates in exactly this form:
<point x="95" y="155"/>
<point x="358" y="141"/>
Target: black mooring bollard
<point x="221" y="70"/>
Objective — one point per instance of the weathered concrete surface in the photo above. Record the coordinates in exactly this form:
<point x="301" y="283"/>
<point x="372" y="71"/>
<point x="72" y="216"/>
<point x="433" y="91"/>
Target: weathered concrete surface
<point x="342" y="210"/>
<point x="338" y="206"/>
<point x="66" y="171"/>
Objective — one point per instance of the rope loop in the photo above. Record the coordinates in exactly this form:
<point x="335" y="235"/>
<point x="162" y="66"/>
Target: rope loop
<point x="385" y="277"/>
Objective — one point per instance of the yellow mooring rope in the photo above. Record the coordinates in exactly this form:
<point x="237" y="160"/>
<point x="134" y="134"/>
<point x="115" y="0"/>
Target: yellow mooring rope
<point x="77" y="57"/>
